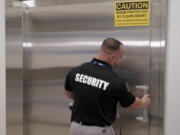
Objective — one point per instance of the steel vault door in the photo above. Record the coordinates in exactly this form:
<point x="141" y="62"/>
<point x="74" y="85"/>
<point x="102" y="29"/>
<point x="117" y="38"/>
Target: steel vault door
<point x="57" y="38"/>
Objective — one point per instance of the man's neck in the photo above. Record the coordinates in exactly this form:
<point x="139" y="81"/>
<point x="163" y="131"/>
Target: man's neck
<point x="102" y="58"/>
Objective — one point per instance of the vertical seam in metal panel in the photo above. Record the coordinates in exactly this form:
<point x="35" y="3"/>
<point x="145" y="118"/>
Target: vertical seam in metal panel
<point x="159" y="72"/>
<point x="22" y="72"/>
<point x="159" y="78"/>
<point x="23" y="67"/>
<point x="162" y="57"/>
<point x="150" y="64"/>
<point x="26" y="104"/>
<point x="164" y="63"/>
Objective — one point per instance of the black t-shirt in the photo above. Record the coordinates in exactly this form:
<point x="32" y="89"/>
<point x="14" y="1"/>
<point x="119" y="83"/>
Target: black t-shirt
<point x="97" y="89"/>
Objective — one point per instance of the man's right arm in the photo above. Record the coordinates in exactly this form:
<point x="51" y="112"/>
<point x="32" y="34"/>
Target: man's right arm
<point x="67" y="86"/>
<point x="144" y="102"/>
<point x="69" y="94"/>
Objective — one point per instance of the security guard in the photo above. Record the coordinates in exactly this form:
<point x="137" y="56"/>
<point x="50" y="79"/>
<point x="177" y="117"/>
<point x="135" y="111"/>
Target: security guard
<point x="96" y="89"/>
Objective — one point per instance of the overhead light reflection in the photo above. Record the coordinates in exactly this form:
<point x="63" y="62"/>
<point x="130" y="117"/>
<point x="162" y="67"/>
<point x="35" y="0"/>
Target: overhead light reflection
<point x="27" y="44"/>
<point x="97" y="43"/>
<point x="136" y="43"/>
<point x="30" y="3"/>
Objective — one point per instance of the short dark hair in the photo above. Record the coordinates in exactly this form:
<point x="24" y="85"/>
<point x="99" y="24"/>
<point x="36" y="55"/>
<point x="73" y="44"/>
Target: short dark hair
<point x="110" y="45"/>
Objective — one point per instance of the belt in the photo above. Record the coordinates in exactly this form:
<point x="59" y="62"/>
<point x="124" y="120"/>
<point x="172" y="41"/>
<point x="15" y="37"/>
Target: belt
<point x="88" y="124"/>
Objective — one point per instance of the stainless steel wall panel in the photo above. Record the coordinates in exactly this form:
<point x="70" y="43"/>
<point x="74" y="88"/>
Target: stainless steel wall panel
<point x="14" y="55"/>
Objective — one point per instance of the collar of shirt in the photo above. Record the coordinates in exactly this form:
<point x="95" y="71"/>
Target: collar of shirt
<point x="99" y="62"/>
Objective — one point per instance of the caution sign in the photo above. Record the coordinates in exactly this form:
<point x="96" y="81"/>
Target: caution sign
<point x="132" y="13"/>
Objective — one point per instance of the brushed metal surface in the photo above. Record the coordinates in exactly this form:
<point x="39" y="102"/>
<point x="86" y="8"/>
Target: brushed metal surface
<point x="2" y="70"/>
<point x="14" y="68"/>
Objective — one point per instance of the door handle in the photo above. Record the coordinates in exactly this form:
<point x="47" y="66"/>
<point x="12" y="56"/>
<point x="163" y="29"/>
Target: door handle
<point x="145" y="112"/>
<point x="71" y="105"/>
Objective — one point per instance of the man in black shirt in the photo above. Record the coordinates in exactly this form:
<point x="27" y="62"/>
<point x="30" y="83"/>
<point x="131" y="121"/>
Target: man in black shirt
<point x="95" y="89"/>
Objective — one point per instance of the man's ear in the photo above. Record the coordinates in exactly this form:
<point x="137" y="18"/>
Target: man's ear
<point x="112" y="57"/>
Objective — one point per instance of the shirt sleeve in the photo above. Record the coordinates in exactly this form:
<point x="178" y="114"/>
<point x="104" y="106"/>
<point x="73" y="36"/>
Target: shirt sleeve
<point x="67" y="84"/>
<point x="126" y="98"/>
